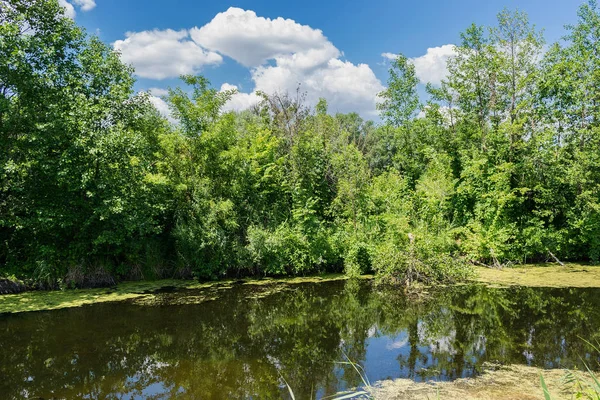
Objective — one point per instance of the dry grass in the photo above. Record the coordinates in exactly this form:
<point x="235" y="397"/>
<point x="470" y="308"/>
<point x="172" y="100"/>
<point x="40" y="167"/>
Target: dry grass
<point x="514" y="382"/>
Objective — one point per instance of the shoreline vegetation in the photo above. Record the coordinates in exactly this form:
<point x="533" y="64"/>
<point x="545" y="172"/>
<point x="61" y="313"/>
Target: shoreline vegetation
<point x="542" y="275"/>
<point x="497" y="165"/>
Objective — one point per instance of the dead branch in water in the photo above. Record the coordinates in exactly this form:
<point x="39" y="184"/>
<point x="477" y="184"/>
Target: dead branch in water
<point x="555" y="258"/>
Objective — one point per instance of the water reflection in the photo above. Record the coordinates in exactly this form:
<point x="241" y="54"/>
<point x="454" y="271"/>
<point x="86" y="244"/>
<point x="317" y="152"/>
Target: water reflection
<point x="241" y="344"/>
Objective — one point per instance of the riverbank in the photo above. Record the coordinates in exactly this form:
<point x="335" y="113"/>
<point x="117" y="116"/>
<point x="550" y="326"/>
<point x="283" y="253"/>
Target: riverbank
<point x="141" y="290"/>
<point x="512" y="382"/>
<point x="539" y="275"/>
<point x="542" y="275"/>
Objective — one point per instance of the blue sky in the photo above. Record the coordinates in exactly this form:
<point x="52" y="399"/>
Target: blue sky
<point x="333" y="48"/>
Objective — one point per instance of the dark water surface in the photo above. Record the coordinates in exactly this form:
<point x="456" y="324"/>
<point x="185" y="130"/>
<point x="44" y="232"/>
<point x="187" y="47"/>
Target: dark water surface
<point x="240" y="341"/>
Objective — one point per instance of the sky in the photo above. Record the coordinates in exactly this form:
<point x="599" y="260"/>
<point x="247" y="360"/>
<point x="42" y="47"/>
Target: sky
<point x="336" y="49"/>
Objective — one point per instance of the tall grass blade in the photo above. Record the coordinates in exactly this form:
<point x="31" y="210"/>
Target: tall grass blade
<point x="351" y="395"/>
<point x="593" y="376"/>
<point x="289" y="389"/>
<point x="546" y="391"/>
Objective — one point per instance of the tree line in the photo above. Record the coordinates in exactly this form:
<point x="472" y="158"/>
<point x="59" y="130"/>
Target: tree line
<point x="500" y="165"/>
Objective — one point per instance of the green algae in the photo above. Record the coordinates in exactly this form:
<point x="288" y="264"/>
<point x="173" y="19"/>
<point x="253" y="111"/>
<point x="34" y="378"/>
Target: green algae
<point x="140" y="291"/>
<point x="542" y="275"/>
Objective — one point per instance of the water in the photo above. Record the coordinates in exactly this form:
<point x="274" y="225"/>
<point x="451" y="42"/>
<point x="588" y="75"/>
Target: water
<point x="239" y="342"/>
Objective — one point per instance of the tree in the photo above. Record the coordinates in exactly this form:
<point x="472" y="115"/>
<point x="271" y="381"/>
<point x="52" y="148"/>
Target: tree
<point x="473" y="76"/>
<point x="198" y="112"/>
<point x="76" y="147"/>
<point x="520" y="49"/>
<point x="400" y="100"/>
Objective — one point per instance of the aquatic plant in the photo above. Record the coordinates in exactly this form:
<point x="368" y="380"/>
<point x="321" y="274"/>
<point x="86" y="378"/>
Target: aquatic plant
<point x="362" y="393"/>
<point x="583" y="384"/>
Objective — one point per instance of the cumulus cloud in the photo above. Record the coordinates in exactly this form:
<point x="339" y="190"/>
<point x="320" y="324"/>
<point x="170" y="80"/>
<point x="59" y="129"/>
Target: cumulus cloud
<point x="302" y="56"/>
<point x="164" y="54"/>
<point x="158" y="92"/>
<point x="155" y="95"/>
<point x="239" y="101"/>
<point x="162" y="107"/>
<point x="83" y="5"/>
<point x="251" y="40"/>
<point x="430" y="67"/>
<point x="280" y="54"/>
<point x="68" y="7"/>
<point x="346" y="86"/>
<point x="389" y="56"/>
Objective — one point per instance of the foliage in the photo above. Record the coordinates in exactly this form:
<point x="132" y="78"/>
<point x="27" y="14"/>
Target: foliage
<point x="499" y="167"/>
<point x="400" y="100"/>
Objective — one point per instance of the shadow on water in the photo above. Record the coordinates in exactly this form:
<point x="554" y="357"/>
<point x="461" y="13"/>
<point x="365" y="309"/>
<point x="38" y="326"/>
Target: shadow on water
<point x="238" y="341"/>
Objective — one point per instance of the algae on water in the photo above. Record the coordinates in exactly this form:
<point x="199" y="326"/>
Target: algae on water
<point x="542" y="275"/>
<point x="140" y="291"/>
<point x="570" y="275"/>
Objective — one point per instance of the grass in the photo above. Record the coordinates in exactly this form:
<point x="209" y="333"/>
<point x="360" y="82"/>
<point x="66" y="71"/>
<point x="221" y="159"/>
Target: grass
<point x="542" y="275"/>
<point x="497" y="382"/>
<point x="584" y="385"/>
<point x="363" y="393"/>
<point x="52" y="300"/>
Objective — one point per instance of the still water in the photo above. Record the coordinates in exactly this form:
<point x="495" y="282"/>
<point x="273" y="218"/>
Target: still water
<point x="241" y="341"/>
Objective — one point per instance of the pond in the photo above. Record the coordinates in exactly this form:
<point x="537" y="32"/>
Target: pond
<point x="242" y="341"/>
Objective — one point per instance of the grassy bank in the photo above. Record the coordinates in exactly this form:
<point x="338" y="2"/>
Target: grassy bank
<point x="53" y="300"/>
<point x="542" y="275"/>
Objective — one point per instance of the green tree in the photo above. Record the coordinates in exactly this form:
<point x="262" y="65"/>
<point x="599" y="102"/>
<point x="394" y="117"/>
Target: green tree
<point x="400" y="101"/>
<point x="76" y="148"/>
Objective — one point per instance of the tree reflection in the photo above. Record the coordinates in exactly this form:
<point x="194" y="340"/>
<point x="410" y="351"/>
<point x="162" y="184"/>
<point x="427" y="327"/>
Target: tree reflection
<point x="243" y="343"/>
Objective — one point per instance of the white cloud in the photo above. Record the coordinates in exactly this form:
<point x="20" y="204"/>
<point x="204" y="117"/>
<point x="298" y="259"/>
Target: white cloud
<point x="389" y="56"/>
<point x="83" y="5"/>
<point x="346" y="86"/>
<point x="302" y="56"/>
<point x="164" y="54"/>
<point x="158" y="92"/>
<point x="280" y="53"/>
<point x="251" y="40"/>
<point x="68" y="7"/>
<point x="432" y="66"/>
<point x="163" y="108"/>
<point x="239" y="101"/>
